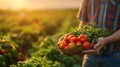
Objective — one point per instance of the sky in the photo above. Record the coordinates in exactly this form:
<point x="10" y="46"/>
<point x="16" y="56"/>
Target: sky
<point x="39" y="4"/>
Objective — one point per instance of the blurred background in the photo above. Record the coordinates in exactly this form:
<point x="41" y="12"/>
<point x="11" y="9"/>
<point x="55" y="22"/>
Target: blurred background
<point x="38" y="14"/>
<point x="39" y="4"/>
<point x="33" y="27"/>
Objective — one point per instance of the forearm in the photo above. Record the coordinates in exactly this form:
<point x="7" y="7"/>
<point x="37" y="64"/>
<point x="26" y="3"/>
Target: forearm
<point x="114" y="37"/>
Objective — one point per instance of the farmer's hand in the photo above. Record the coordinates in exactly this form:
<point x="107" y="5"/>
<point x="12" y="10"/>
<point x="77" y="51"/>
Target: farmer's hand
<point x="97" y="47"/>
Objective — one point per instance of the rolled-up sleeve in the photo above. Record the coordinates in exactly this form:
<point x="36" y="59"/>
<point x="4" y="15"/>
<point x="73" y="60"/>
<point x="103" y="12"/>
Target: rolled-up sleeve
<point x="82" y="13"/>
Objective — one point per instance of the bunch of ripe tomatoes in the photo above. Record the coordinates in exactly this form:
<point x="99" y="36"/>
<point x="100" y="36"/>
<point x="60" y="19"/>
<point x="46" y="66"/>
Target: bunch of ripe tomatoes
<point x="71" y="42"/>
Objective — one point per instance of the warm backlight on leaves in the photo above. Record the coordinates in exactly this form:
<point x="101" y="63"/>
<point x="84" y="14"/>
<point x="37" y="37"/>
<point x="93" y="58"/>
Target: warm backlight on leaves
<point x="29" y="30"/>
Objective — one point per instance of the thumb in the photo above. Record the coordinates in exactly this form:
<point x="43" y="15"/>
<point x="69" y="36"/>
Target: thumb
<point x="96" y="45"/>
<point x="99" y="44"/>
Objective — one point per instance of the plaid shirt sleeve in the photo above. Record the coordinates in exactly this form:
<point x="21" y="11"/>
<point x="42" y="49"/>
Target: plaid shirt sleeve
<point x="82" y="13"/>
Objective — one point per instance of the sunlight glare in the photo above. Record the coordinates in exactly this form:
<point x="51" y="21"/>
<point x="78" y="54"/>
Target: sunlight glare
<point x="17" y="4"/>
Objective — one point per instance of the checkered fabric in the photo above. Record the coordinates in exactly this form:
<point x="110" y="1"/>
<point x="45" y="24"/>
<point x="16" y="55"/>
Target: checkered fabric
<point x="106" y="13"/>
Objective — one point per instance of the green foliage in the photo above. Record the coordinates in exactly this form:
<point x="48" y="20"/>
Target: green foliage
<point x="41" y="22"/>
<point x="9" y="52"/>
<point x="92" y="31"/>
<point x="47" y="55"/>
<point x="38" y="32"/>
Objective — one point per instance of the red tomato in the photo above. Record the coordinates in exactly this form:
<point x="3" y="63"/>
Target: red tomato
<point x="67" y="47"/>
<point x="78" y="43"/>
<point x="82" y="40"/>
<point x="86" y="45"/>
<point x="74" y="39"/>
<point x="2" y="51"/>
<point x="66" y="37"/>
<point x="82" y="36"/>
<point x="62" y="44"/>
<point x="70" y="36"/>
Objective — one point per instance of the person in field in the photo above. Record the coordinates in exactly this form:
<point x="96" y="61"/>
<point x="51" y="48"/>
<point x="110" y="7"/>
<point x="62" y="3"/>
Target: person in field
<point x="106" y="14"/>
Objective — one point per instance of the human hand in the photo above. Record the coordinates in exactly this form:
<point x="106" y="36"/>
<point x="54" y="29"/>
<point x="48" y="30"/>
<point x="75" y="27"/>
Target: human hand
<point x="97" y="47"/>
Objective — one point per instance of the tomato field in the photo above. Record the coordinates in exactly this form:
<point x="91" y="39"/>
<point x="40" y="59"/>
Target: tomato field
<point x="29" y="38"/>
